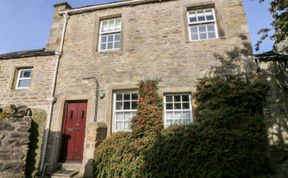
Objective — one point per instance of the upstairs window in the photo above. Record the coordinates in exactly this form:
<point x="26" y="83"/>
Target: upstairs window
<point x="110" y="34"/>
<point x="202" y="24"/>
<point x="177" y="109"/>
<point x="24" y="78"/>
<point x="124" y="109"/>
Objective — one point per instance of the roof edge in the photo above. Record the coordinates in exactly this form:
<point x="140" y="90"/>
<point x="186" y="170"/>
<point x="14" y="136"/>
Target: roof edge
<point x="27" y="53"/>
<point x="114" y="4"/>
<point x="270" y="55"/>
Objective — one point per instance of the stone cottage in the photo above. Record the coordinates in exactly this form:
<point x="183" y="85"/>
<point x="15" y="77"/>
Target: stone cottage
<point x="86" y="77"/>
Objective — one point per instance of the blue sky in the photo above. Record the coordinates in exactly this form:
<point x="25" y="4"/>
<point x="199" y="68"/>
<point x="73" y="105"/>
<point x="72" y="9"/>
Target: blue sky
<point x="25" y="24"/>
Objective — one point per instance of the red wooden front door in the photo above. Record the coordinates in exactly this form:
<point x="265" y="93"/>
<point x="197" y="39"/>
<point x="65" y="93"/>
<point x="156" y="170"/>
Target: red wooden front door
<point x="73" y="131"/>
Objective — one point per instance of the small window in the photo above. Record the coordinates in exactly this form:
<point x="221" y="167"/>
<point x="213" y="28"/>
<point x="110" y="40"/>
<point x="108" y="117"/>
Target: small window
<point x="110" y="34"/>
<point x="202" y="24"/>
<point x="24" y="78"/>
<point x="124" y="109"/>
<point x="177" y="109"/>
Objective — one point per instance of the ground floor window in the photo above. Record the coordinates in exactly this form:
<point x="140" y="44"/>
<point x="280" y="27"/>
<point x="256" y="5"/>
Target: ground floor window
<point x="24" y="76"/>
<point x="177" y="109"/>
<point x="124" y="109"/>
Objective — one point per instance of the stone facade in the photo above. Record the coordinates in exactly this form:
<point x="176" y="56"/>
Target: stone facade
<point x="36" y="95"/>
<point x="14" y="141"/>
<point x="155" y="44"/>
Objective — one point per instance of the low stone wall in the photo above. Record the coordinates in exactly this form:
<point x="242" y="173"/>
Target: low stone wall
<point x="15" y="127"/>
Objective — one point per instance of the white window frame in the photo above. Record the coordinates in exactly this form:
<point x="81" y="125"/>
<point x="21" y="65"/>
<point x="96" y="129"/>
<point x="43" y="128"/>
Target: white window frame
<point x="108" y="33"/>
<point x="123" y="110"/>
<point x="23" y="78"/>
<point x="177" y="110"/>
<point x="202" y="23"/>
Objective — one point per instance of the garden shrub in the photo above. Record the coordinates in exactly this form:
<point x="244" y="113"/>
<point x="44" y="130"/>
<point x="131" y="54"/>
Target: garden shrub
<point x="122" y="154"/>
<point x="227" y="139"/>
<point x="148" y="119"/>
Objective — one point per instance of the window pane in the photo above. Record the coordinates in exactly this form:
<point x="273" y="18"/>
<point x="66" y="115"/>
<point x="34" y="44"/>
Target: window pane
<point x="116" y="45"/>
<point x="169" y="106"/>
<point x="194" y="37"/>
<point x="202" y="28"/>
<point x="134" y="104"/>
<point x="119" y="105"/>
<point x="26" y="74"/>
<point x="178" y="115"/>
<point x="127" y="105"/>
<point x="119" y="96"/>
<point x="103" y="38"/>
<point x="186" y="105"/>
<point x="117" y="37"/>
<point x="211" y="27"/>
<point x="192" y="17"/>
<point x="111" y="26"/>
<point x="103" y="46"/>
<point x="123" y="101"/>
<point x="209" y="15"/>
<point x="177" y="105"/>
<point x="104" y="26"/>
<point x="212" y="35"/>
<point x="179" y="110"/>
<point x="194" y="29"/>
<point x="127" y="116"/>
<point x="201" y="16"/>
<point x="168" y="98"/>
<point x="177" y="98"/>
<point x="134" y="96"/>
<point x="203" y="36"/>
<point x="169" y="122"/>
<point x="119" y="125"/>
<point x="127" y="96"/>
<point x="119" y="116"/>
<point x="110" y="46"/>
<point x="186" y="115"/>
<point x="24" y="83"/>
<point x="201" y="22"/>
<point x="169" y="115"/>
<point x="126" y="125"/>
<point x="110" y="38"/>
<point x="185" y="97"/>
<point x="118" y="24"/>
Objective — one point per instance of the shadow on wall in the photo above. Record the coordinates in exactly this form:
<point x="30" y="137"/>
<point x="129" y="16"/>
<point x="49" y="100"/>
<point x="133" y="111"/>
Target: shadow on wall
<point x="89" y="169"/>
<point x="31" y="155"/>
<point x="35" y="145"/>
<point x="56" y="150"/>
<point x="276" y="110"/>
<point x="220" y="152"/>
<point x="235" y="61"/>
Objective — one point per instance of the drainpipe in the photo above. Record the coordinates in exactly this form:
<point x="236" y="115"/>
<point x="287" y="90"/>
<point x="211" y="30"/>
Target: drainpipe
<point x="52" y="98"/>
<point x="96" y="94"/>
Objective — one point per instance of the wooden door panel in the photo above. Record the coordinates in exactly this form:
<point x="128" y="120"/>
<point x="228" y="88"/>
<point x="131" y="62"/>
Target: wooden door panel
<point x="80" y="131"/>
<point x="73" y="131"/>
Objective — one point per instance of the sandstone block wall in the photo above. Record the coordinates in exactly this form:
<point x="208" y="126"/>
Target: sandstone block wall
<point x="154" y="45"/>
<point x="14" y="141"/>
<point x="36" y="95"/>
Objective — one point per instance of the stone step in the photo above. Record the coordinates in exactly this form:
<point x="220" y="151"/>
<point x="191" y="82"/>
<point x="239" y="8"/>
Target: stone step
<point x="71" y="166"/>
<point x="64" y="173"/>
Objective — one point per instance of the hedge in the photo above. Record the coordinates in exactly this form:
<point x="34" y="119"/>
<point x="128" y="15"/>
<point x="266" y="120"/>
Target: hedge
<point x="227" y="138"/>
